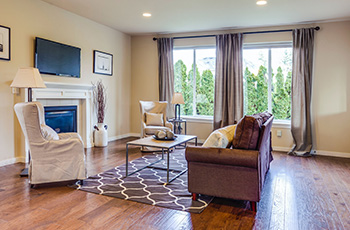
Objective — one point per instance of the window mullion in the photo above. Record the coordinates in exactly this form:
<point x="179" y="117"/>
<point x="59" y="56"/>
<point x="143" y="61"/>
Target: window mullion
<point x="269" y="103"/>
<point x="194" y="83"/>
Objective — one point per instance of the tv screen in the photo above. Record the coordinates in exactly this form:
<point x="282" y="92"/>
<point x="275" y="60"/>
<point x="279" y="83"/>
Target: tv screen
<point x="56" y="58"/>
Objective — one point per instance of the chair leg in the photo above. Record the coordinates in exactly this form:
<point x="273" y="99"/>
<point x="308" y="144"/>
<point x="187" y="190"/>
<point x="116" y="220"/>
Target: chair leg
<point x="194" y="196"/>
<point x="253" y="205"/>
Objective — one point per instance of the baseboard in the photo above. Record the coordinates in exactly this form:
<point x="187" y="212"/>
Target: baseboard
<point x="12" y="161"/>
<point x="114" y="138"/>
<point x="315" y="152"/>
<point x="332" y="154"/>
<point x="281" y="149"/>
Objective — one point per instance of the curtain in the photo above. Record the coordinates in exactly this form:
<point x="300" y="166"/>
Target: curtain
<point x="303" y="48"/>
<point x="228" y="101"/>
<point x="166" y="72"/>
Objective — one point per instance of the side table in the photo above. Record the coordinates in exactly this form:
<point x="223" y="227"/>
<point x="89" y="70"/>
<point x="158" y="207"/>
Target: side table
<point x="177" y="125"/>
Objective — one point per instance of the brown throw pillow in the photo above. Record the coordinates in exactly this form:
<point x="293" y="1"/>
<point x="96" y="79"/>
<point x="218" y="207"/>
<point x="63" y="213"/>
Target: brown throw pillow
<point x="247" y="133"/>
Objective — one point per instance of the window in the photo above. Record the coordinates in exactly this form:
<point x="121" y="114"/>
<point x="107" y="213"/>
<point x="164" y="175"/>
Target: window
<point x="267" y="79"/>
<point x="194" y="77"/>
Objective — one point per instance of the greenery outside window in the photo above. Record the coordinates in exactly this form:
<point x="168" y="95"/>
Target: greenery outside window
<point x="194" y="77"/>
<point x="267" y="79"/>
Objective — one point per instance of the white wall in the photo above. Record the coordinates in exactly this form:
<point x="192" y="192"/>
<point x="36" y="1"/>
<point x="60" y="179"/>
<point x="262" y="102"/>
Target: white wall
<point x="331" y="97"/>
<point x="34" y="18"/>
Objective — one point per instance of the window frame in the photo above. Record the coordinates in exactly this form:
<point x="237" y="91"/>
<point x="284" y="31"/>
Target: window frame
<point x="280" y="123"/>
<point x="196" y="118"/>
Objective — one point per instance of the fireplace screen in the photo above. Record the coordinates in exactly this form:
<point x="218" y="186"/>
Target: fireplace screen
<point x="62" y="119"/>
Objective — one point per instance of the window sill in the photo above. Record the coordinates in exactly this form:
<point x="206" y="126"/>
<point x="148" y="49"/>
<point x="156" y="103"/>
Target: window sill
<point x="283" y="124"/>
<point x="193" y="119"/>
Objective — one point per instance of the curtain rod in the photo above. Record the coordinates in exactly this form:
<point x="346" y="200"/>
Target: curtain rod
<point x="254" y="32"/>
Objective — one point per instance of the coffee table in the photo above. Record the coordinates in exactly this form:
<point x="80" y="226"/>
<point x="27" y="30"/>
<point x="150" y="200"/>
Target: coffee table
<point x="164" y="146"/>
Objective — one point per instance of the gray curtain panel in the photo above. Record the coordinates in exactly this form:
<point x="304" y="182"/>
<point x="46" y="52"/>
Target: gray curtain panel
<point x="166" y="72"/>
<point x="228" y="102"/>
<point x="303" y="52"/>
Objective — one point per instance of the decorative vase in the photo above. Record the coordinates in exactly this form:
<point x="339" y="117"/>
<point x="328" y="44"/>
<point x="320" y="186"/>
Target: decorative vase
<point x="100" y="135"/>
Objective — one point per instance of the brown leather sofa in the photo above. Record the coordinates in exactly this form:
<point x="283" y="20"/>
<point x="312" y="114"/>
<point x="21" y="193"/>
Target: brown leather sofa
<point x="228" y="172"/>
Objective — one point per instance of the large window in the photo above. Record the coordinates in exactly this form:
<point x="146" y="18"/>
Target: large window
<point x="194" y="73"/>
<point x="267" y="79"/>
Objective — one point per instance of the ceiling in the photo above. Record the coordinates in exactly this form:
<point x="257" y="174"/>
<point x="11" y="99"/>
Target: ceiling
<point x="173" y="16"/>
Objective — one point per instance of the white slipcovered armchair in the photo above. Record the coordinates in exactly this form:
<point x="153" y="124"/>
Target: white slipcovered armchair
<point x="153" y="107"/>
<point x="54" y="157"/>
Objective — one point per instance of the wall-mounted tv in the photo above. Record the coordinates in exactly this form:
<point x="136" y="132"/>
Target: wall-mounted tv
<point x="56" y="58"/>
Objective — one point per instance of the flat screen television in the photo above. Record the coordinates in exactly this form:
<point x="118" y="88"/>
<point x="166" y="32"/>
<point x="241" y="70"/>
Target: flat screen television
<point x="56" y="58"/>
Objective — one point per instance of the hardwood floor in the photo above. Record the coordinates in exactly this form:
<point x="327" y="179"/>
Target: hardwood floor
<point x="300" y="193"/>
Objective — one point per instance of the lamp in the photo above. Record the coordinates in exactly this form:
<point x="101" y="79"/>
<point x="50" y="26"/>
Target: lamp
<point x="28" y="78"/>
<point x="177" y="100"/>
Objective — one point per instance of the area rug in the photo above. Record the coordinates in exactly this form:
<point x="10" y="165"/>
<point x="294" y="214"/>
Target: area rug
<point x="147" y="186"/>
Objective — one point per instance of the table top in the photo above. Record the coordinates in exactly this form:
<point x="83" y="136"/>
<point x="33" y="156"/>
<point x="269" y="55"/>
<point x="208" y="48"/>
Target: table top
<point x="151" y="142"/>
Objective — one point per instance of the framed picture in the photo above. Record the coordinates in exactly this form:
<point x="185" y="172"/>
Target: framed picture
<point x="5" y="48"/>
<point x="103" y="63"/>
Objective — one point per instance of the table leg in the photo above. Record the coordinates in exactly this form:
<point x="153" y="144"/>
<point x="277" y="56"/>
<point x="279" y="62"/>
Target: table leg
<point x="127" y="156"/>
<point x="196" y="141"/>
<point x="167" y="168"/>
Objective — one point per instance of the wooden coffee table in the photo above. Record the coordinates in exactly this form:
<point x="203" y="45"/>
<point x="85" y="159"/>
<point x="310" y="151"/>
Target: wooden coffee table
<point x="164" y="146"/>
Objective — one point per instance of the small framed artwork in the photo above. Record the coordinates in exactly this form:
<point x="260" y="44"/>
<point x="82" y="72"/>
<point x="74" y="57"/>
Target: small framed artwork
<point x="5" y="49"/>
<point x="103" y="63"/>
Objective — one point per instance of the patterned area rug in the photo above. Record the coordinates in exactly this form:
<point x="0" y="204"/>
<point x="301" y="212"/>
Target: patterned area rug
<point x="147" y="186"/>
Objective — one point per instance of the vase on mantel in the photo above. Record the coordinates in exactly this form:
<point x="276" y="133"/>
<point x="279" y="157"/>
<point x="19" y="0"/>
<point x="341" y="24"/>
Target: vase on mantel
<point x="100" y="135"/>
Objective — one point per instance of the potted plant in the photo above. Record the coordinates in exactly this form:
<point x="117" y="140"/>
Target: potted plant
<point x="100" y="133"/>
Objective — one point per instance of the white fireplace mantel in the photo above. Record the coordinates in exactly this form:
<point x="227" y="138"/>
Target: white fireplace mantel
<point x="66" y="94"/>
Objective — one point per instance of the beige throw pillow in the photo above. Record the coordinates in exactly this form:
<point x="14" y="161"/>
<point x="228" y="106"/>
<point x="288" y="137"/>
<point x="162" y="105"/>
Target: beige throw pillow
<point x="221" y="138"/>
<point x="48" y="133"/>
<point x="154" y="119"/>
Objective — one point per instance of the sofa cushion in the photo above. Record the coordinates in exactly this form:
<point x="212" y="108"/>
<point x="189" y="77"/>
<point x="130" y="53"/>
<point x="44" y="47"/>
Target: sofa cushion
<point x="154" y="119"/>
<point x="221" y="138"/>
<point x="48" y="133"/>
<point x="151" y="130"/>
<point x="262" y="117"/>
<point x="247" y="133"/>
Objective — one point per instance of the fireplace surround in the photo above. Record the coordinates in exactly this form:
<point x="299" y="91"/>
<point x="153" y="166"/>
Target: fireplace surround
<point x="64" y="94"/>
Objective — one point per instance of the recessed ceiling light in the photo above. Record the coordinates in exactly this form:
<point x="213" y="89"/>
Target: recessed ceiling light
<point x="261" y="2"/>
<point x="147" y="15"/>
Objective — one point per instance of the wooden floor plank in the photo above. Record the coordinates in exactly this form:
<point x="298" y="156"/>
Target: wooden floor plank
<point x="299" y="193"/>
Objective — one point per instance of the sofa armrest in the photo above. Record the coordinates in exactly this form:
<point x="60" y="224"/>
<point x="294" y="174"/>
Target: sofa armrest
<point x="222" y="156"/>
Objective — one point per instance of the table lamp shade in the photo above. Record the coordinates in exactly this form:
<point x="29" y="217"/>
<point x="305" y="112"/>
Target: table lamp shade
<point x="177" y="99"/>
<point x="28" y="78"/>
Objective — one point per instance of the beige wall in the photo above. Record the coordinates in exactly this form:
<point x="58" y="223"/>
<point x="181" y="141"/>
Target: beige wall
<point x="331" y="97"/>
<point x="29" y="19"/>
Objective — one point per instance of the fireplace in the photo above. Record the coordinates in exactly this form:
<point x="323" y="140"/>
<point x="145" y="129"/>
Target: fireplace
<point x="62" y="119"/>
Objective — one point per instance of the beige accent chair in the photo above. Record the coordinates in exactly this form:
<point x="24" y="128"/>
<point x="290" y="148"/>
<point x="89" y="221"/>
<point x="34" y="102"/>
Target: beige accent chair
<point x="59" y="157"/>
<point x="153" y="107"/>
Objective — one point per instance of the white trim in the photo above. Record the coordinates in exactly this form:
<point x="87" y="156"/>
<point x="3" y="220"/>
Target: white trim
<point x="12" y="161"/>
<point x="284" y="124"/>
<point x="281" y="149"/>
<point x="198" y="119"/>
<point x="114" y="138"/>
<point x="268" y="45"/>
<point x="332" y="154"/>
<point x="315" y="152"/>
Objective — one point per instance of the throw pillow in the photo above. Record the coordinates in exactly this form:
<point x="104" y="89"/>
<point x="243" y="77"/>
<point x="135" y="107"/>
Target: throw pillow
<point x="247" y="133"/>
<point x="48" y="133"/>
<point x="154" y="119"/>
<point x="221" y="138"/>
